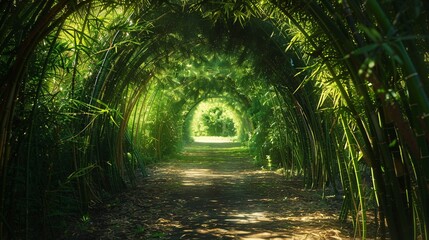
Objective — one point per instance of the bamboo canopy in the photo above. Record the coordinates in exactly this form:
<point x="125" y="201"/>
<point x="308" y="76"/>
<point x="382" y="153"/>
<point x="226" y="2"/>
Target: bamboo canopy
<point x="93" y="91"/>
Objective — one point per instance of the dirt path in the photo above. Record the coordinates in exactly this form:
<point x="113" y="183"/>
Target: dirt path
<point x="213" y="191"/>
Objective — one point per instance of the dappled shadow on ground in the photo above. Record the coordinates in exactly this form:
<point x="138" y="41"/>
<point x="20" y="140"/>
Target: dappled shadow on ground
<point x="214" y="192"/>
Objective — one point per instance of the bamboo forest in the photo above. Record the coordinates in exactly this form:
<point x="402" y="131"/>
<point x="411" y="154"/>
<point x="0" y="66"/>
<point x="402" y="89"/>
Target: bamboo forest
<point x="214" y="119"/>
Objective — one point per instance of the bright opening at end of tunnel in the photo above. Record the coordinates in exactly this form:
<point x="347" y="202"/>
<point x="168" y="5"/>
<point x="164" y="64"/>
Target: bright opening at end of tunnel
<point x="214" y="139"/>
<point x="216" y="120"/>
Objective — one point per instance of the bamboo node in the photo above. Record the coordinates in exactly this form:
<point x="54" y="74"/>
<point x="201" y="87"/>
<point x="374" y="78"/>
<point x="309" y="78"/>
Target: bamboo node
<point x="411" y="76"/>
<point x="424" y="115"/>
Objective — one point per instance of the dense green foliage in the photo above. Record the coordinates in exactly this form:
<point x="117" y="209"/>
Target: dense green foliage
<point x="94" y="90"/>
<point x="217" y="124"/>
<point x="214" y="120"/>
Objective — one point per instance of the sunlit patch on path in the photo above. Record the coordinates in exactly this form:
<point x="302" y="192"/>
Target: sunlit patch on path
<point x="213" y="139"/>
<point x="213" y="191"/>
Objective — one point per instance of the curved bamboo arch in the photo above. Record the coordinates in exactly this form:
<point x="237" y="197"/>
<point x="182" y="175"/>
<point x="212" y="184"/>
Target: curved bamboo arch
<point x="377" y="63"/>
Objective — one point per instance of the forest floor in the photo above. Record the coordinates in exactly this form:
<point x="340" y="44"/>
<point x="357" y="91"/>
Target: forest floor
<point x="214" y="191"/>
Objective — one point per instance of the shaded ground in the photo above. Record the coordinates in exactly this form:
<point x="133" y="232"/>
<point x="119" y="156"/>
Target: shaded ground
<point x="213" y="191"/>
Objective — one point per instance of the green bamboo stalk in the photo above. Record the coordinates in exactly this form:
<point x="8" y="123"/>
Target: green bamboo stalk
<point x="77" y="50"/>
<point x="412" y="78"/>
<point x="32" y="125"/>
<point x="12" y="81"/>
<point x="416" y="93"/>
<point x="126" y="117"/>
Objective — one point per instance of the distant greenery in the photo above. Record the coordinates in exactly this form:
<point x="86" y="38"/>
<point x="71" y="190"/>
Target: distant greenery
<point x="215" y="123"/>
<point x="215" y="117"/>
